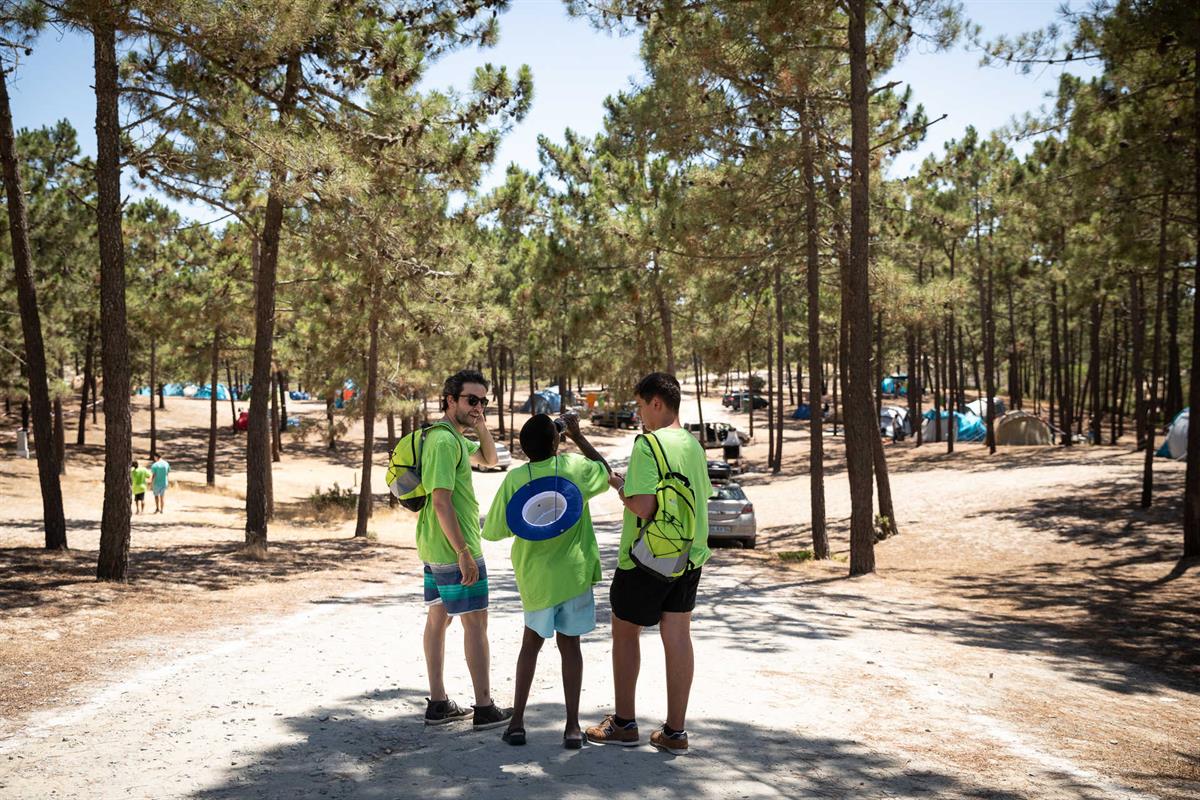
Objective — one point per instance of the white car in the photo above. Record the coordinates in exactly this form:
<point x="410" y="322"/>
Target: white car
<point x="503" y="460"/>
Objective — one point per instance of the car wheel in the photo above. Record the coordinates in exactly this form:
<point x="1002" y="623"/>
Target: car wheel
<point x="504" y="468"/>
<point x="749" y="543"/>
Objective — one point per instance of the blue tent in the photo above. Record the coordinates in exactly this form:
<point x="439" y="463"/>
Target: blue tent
<point x="299" y="395"/>
<point x="205" y="392"/>
<point x="802" y="412"/>
<point x="968" y="427"/>
<point x="546" y="401"/>
<point x="144" y="391"/>
<point x="173" y="390"/>
<point x="894" y="384"/>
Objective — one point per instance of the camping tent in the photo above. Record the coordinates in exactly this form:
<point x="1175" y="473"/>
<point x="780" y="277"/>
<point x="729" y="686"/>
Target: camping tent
<point x="802" y="412"/>
<point x="190" y="390"/>
<point x="967" y="428"/>
<point x="205" y="392"/>
<point x="895" y="384"/>
<point x="1176" y="441"/>
<point x="1021" y="428"/>
<point x="546" y="402"/>
<point x="979" y="407"/>
<point x="893" y="422"/>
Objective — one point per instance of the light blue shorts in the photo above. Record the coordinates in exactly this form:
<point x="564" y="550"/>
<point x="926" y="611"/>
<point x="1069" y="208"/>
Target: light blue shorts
<point x="573" y="617"/>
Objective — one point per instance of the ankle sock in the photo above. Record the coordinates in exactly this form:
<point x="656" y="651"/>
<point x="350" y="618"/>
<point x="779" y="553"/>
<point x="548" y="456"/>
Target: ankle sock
<point x="622" y="722"/>
<point x="669" y="731"/>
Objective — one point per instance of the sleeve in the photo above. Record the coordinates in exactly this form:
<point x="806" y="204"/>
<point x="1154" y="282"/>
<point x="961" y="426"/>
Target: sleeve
<point x="472" y="447"/>
<point x="495" y="527"/>
<point x="594" y="478"/>
<point x="439" y="461"/>
<point x="642" y="475"/>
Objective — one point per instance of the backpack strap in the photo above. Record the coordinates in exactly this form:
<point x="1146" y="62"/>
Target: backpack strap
<point x="425" y="432"/>
<point x="660" y="455"/>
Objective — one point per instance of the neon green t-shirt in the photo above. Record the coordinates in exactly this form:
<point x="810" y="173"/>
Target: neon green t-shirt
<point x="552" y="570"/>
<point x="685" y="456"/>
<point x="139" y="476"/>
<point x="446" y="464"/>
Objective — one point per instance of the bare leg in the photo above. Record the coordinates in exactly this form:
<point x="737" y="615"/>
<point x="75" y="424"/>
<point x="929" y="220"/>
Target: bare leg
<point x="676" y="632"/>
<point x="572" y="674"/>
<point x="475" y="646"/>
<point x="531" y="645"/>
<point x="627" y="662"/>
<point x="436" y="622"/>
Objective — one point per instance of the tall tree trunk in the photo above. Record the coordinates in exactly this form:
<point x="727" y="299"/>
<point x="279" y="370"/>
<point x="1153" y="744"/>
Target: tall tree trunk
<point x="274" y="434"/>
<point x="281" y="383"/>
<point x="779" y="328"/>
<point x="1055" y="362"/>
<point x="857" y="303"/>
<point x="330" y="430"/>
<point x="153" y="378"/>
<point x="664" y="313"/>
<point x="699" y="401"/>
<point x="512" y="397"/>
<point x="952" y="391"/>
<point x="60" y="435"/>
<point x="210" y="467"/>
<point x="816" y="397"/>
<point x="1191" y="492"/>
<point x="369" y="402"/>
<point x="1174" y="397"/>
<point x="114" y="334"/>
<point x="770" y="398"/>
<point x="89" y="353"/>
<point x="258" y="457"/>
<point x="1094" y="361"/>
<point x="233" y="415"/>
<point x="1155" y="358"/>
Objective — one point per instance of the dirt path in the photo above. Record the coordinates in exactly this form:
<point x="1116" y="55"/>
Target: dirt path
<point x="1026" y="636"/>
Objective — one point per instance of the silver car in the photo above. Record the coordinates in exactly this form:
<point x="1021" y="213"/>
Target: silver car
<point x="503" y="460"/>
<point x="731" y="516"/>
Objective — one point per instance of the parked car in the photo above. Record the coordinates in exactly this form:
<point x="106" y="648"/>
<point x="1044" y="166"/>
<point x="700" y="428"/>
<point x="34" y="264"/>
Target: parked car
<point x="715" y="433"/>
<point x="719" y="470"/>
<point x="740" y="399"/>
<point x="503" y="460"/>
<point x="624" y="417"/>
<point x="731" y="516"/>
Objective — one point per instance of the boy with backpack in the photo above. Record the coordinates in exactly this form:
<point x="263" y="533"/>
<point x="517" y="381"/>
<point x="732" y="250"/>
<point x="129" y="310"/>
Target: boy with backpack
<point x="664" y="544"/>
<point x="555" y="558"/>
<point x="438" y="475"/>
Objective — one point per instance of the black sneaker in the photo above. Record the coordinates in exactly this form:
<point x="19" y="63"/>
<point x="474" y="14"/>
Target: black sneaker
<point x="439" y="712"/>
<point x="489" y="716"/>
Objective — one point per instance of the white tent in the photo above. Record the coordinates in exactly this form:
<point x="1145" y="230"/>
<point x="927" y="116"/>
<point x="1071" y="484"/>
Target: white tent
<point x="979" y="407"/>
<point x="893" y="422"/>
<point x="1021" y="428"/>
<point x="1177" y="436"/>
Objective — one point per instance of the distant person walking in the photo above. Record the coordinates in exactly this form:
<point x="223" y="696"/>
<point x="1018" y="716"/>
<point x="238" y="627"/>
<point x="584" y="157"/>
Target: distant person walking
<point x="159" y="471"/>
<point x="641" y="599"/>
<point x="138" y="477"/>
<point x="555" y="558"/>
<point x="456" y="582"/>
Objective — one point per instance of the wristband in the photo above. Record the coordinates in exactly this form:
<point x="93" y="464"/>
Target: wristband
<point x="465" y="549"/>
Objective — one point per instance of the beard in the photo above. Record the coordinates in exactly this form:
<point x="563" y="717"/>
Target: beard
<point x="464" y="417"/>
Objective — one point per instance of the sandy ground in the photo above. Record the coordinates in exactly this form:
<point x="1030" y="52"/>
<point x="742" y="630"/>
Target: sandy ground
<point x="1027" y="635"/>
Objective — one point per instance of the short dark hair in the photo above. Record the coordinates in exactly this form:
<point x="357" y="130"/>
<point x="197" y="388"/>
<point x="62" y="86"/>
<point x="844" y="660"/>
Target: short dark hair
<point x="134" y="465"/>
<point x="454" y="384"/>
<point x="538" y="436"/>
<point x="662" y="385"/>
<point x="154" y="454"/>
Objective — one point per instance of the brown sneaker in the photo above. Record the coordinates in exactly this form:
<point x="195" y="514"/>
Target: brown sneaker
<point x="609" y="732"/>
<point x="669" y="742"/>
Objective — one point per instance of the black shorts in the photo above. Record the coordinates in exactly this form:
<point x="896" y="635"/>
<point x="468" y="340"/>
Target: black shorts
<point x="140" y="496"/>
<point x="638" y="597"/>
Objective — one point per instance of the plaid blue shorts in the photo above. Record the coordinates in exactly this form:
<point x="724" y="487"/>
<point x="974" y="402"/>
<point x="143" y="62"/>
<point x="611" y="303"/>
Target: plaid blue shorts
<point x="443" y="584"/>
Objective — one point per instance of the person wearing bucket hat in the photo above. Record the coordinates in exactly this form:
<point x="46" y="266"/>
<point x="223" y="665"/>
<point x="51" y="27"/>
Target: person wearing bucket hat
<point x="555" y="557"/>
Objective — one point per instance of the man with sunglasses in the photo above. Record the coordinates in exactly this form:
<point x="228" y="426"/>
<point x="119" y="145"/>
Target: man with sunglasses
<point x="456" y="582"/>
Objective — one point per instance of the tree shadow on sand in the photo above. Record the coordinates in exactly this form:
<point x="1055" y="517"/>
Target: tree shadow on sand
<point x="376" y="746"/>
<point x="32" y="577"/>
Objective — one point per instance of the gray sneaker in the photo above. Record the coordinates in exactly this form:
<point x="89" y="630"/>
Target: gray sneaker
<point x="489" y="716"/>
<point x="439" y="712"/>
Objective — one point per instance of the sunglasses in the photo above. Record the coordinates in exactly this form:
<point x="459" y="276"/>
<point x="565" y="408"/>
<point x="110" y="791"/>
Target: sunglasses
<point x="472" y="400"/>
